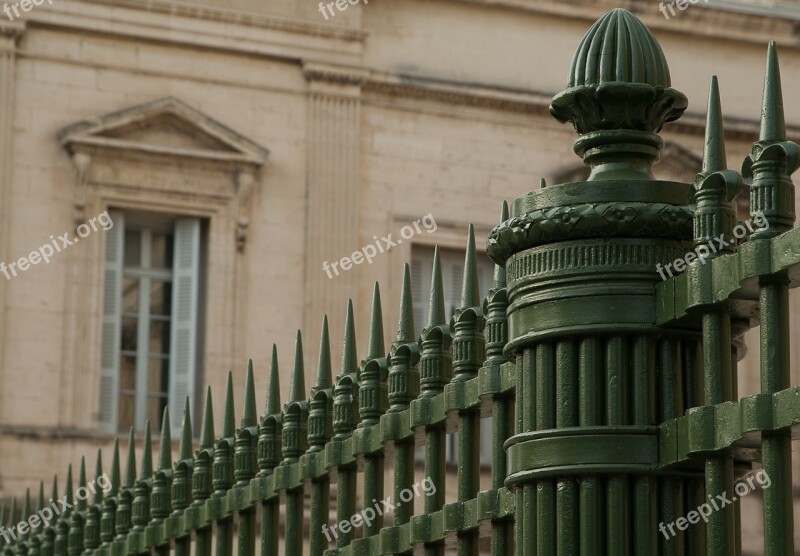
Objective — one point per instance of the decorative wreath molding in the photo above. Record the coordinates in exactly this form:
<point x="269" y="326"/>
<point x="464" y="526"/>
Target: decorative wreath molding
<point x="616" y="219"/>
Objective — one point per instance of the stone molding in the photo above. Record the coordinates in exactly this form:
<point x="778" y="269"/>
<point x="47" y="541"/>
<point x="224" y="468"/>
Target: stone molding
<point x="228" y="151"/>
<point x="237" y="17"/>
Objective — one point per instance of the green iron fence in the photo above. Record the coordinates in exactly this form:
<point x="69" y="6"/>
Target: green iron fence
<point x="612" y="394"/>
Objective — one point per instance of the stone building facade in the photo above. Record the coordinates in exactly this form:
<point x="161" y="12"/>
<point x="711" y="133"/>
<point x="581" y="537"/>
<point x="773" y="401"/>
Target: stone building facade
<point x="241" y="146"/>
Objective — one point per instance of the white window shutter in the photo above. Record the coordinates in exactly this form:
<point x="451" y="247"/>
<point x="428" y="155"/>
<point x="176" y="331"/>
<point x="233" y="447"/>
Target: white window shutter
<point x="185" y="307"/>
<point x="112" y="324"/>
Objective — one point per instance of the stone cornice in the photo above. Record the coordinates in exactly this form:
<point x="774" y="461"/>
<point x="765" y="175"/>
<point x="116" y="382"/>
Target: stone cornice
<point x="706" y="20"/>
<point x="213" y="29"/>
<point x="529" y="102"/>
<point x="456" y="93"/>
<point x="237" y="17"/>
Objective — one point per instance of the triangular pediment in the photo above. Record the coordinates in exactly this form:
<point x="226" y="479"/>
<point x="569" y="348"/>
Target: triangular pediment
<point x="165" y="126"/>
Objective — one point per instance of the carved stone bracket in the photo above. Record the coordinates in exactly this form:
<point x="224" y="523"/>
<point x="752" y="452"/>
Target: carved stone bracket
<point x="244" y="189"/>
<point x="337" y="75"/>
<point x="81" y="162"/>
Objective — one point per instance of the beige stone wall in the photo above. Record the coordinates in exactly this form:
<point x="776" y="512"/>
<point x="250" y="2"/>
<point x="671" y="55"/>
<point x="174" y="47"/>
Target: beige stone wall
<point x="383" y="114"/>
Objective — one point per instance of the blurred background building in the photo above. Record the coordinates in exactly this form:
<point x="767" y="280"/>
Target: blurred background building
<point x="240" y="145"/>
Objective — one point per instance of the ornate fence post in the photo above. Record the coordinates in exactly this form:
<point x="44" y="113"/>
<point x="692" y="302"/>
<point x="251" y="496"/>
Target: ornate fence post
<point x="581" y="262"/>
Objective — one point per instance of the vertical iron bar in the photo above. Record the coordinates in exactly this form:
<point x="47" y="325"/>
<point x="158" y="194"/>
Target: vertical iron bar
<point x="566" y="413"/>
<point x="527" y="540"/>
<point x="270" y="526"/>
<point x="670" y="488"/>
<point x="717" y="389"/>
<point x="590" y="384"/>
<point x="617" y="507"/>
<point x="644" y="415"/>
<point x="320" y="501"/>
<point x="776" y="446"/>
<point x="545" y="419"/>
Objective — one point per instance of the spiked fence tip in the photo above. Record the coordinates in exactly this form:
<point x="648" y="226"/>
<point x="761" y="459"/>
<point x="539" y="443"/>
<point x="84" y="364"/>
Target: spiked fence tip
<point x="115" y="470"/>
<point x="185" y="449"/>
<point x="349" y="357"/>
<point x="229" y="415"/>
<point x="470" y="288"/>
<point x="81" y="502"/>
<point x="165" y="447"/>
<point x="207" y="430"/>
<point x="375" y="347"/>
<point x="130" y="468"/>
<point x="249" y="417"/>
<point x="436" y="314"/>
<point x="274" y="388"/>
<point x="714" y="159"/>
<point x="405" y="321"/>
<point x="324" y="377"/>
<point x="773" y="123"/>
<point x="98" y="472"/>
<point x="147" y="452"/>
<point x="297" y="392"/>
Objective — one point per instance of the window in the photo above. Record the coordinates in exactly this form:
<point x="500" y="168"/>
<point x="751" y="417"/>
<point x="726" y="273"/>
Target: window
<point x="150" y="316"/>
<point x="452" y="261"/>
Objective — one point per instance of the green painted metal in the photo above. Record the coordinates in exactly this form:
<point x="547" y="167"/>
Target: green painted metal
<point x="612" y="394"/>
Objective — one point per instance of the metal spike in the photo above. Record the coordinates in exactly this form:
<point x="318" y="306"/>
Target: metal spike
<point x="54" y="490"/>
<point x="500" y="271"/>
<point x="26" y="506"/>
<point x="773" y="123"/>
<point x="249" y="417"/>
<point x="349" y="357"/>
<point x="274" y="388"/>
<point x="324" y="379"/>
<point x="12" y="515"/>
<point x="375" y="347"/>
<point x="98" y="472"/>
<point x="130" y="469"/>
<point x="297" y="391"/>
<point x="228" y="417"/>
<point x="165" y="448"/>
<point x="68" y="490"/>
<point x="115" y="470"/>
<point x="714" y="159"/>
<point x="405" y="322"/>
<point x="147" y="453"/>
<point x="39" y="500"/>
<point x="81" y="504"/>
<point x="436" y="310"/>
<point x="185" y="450"/>
<point x="470" y="288"/>
<point x="207" y="430"/>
